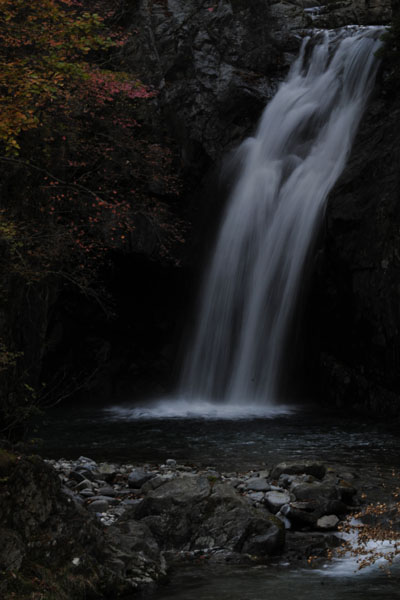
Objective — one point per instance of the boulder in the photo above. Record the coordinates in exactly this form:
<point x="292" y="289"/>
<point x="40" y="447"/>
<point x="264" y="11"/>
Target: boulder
<point x="258" y="484"/>
<point x="275" y="500"/>
<point x="309" y="467"/>
<point x="190" y="513"/>
<point x="318" y="491"/>
<point x="98" y="506"/>
<point x="138" y="477"/>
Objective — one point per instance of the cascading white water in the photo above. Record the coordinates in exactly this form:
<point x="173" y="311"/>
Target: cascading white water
<point x="288" y="169"/>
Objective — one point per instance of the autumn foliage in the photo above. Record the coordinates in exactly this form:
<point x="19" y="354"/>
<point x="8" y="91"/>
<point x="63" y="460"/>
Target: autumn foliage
<point x="91" y="168"/>
<point x="82" y="167"/>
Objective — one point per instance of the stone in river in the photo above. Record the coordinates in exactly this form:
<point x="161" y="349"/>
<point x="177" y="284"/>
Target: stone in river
<point x="328" y="522"/>
<point x="256" y="496"/>
<point x="138" y="477"/>
<point x="310" y="467"/>
<point x="275" y="500"/>
<point x="98" y="506"/>
<point x="258" y="484"/>
<point x="315" y="491"/>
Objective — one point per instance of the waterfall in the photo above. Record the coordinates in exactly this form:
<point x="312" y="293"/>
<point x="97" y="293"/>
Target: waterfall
<point x="287" y="171"/>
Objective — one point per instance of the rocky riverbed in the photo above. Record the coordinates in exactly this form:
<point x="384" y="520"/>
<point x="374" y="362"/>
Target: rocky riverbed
<point x="118" y="528"/>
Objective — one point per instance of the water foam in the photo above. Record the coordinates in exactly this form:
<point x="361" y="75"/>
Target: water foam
<point x="170" y="408"/>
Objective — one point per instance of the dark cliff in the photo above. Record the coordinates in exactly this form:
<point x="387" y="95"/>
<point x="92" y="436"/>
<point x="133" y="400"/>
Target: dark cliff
<point x="359" y="277"/>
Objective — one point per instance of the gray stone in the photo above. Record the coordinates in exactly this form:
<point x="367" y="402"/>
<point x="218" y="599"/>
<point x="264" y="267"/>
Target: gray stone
<point x="191" y="512"/>
<point x="84" y="484"/>
<point x="86" y="493"/>
<point x="264" y="541"/>
<point x="138" y="477"/>
<point x="256" y="496"/>
<point x="12" y="550"/>
<point x="275" y="500"/>
<point x="309" y="467"/>
<point x="155" y="482"/>
<point x="107" y="491"/>
<point x="315" y="491"/>
<point x="77" y="476"/>
<point x="258" y="484"/>
<point x="284" y="520"/>
<point x="300" y="515"/>
<point x="328" y="522"/>
<point x="346" y="490"/>
<point x="98" y="506"/>
<point x="110" y="500"/>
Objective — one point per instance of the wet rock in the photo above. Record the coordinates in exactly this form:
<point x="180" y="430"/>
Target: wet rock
<point x="301" y="514"/>
<point x="155" y="482"/>
<point x="328" y="522"/>
<point x="262" y="541"/>
<point x="347" y="491"/>
<point x="189" y="512"/>
<point x="77" y="476"/>
<point x="98" y="506"/>
<point x="138" y="554"/>
<point x="257" y="484"/>
<point x="12" y="550"/>
<point x="315" y="491"/>
<point x="309" y="467"/>
<point x="256" y="496"/>
<point x="106" y="491"/>
<point x="284" y="520"/>
<point x="138" y="477"/>
<point x="84" y="484"/>
<point x="111" y="501"/>
<point x="275" y="500"/>
<point x="302" y="545"/>
<point x="86" y="493"/>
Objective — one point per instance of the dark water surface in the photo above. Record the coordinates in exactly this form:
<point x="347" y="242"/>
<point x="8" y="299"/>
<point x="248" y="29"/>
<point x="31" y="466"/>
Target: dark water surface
<point x="228" y="444"/>
<point x="366" y="446"/>
<point x="277" y="583"/>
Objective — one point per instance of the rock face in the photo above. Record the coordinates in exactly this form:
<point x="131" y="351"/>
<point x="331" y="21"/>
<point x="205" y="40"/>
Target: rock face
<point x="217" y="64"/>
<point x="358" y="279"/>
<point x="214" y="65"/>
<point x="46" y="529"/>
<point x="192" y="513"/>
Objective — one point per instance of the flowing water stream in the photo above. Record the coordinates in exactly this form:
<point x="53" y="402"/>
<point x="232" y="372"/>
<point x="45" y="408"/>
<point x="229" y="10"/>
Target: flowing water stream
<point x="288" y="169"/>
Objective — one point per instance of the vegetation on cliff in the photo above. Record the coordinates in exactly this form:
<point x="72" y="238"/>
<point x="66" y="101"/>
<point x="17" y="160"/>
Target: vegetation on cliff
<point x="81" y="166"/>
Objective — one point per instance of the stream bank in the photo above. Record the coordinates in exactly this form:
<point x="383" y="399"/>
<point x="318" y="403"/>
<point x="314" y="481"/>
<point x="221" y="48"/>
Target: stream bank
<point x="107" y="525"/>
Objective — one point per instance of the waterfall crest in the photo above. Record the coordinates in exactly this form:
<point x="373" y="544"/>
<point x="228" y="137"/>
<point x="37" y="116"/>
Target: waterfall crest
<point x="287" y="171"/>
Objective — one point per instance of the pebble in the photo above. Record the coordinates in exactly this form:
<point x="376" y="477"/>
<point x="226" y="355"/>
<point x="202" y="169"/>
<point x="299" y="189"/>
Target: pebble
<point x="98" y="506"/>
<point x="107" y="490"/>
